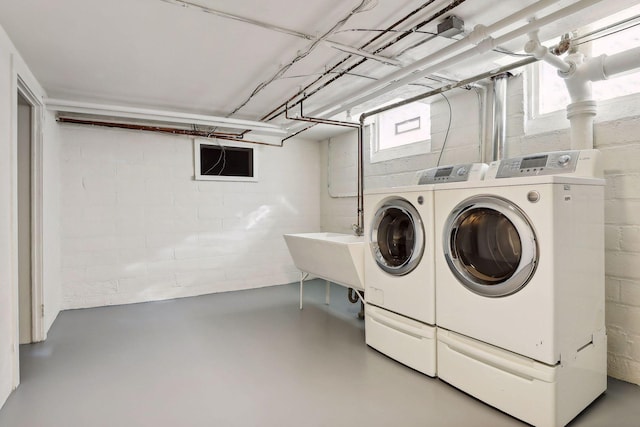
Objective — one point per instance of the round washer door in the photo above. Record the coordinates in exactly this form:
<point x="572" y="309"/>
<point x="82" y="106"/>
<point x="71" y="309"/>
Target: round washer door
<point x="490" y="246"/>
<point x="397" y="237"/>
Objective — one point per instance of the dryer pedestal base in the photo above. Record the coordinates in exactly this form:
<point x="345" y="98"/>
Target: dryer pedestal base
<point x="408" y="341"/>
<point x="534" y="392"/>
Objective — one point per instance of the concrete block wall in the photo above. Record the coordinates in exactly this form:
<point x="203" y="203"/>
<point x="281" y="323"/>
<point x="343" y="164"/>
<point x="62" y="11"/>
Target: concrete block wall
<point x="339" y="205"/>
<point x="137" y="227"/>
<point x="619" y="141"/>
<point x="339" y="157"/>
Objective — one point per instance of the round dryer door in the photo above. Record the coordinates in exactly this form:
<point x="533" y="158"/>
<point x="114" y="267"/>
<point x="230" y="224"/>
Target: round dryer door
<point x="397" y="237"/>
<point x="490" y="246"/>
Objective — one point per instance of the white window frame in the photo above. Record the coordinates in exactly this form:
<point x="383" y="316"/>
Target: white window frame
<point x="609" y="109"/>
<point x="198" y="142"/>
<point x="535" y="122"/>
<point x="407" y="150"/>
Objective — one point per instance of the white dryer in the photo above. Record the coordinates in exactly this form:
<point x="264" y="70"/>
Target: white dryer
<point x="520" y="286"/>
<point x="399" y="269"/>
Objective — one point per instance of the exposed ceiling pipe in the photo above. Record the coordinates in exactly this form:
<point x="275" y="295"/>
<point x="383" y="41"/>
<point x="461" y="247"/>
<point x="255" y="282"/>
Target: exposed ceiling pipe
<point x="449" y="87"/>
<point x="103" y="110"/>
<point x="363" y="53"/>
<point x="481" y="37"/>
<point x="284" y="30"/>
<point x="254" y="22"/>
<point x="306" y="95"/>
<point x="301" y="55"/>
<point x="164" y="129"/>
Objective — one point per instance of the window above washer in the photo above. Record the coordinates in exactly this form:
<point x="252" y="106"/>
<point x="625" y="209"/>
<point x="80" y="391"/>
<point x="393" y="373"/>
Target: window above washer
<point x="401" y="132"/>
<point x="549" y="92"/>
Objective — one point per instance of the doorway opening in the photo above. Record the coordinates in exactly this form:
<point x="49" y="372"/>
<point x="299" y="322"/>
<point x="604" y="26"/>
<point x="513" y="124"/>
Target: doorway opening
<point x="28" y="214"/>
<point x="25" y="240"/>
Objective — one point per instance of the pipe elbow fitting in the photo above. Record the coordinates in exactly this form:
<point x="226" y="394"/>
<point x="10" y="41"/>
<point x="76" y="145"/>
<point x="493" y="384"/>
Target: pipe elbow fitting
<point x="532" y="47"/>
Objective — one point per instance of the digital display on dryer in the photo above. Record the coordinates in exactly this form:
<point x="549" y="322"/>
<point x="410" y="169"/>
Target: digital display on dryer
<point x="533" y="162"/>
<point x="444" y="172"/>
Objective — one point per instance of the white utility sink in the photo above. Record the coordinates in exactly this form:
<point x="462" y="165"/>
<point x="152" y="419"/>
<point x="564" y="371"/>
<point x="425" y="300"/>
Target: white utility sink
<point x="338" y="258"/>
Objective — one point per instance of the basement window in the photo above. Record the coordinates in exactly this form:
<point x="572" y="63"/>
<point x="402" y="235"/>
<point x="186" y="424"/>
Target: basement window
<point x="552" y="94"/>
<point x="228" y="161"/>
<point x="401" y="132"/>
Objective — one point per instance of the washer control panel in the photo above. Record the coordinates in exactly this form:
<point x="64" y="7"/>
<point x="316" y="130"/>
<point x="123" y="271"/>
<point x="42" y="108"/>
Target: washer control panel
<point x="452" y="173"/>
<point x="555" y="163"/>
<point x="583" y="163"/>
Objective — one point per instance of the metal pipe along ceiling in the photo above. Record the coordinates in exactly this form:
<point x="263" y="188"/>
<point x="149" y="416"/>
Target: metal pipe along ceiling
<point x="261" y="86"/>
<point x="303" y="91"/>
<point x="165" y="129"/>
<point x="481" y="37"/>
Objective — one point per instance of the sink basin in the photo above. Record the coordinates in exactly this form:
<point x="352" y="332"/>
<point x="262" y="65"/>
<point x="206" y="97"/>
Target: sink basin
<point x="336" y="257"/>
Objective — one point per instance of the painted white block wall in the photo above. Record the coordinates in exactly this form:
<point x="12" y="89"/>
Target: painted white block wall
<point x="619" y="141"/>
<point x="51" y="259"/>
<point x="339" y="173"/>
<point x="12" y="66"/>
<point x="463" y="145"/>
<point x="137" y="227"/>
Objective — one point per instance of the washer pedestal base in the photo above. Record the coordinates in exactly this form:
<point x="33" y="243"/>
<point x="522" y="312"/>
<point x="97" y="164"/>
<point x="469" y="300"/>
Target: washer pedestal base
<point x="408" y="341"/>
<point x="534" y="392"/>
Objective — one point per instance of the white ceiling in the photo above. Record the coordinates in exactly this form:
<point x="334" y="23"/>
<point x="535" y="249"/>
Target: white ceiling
<point x="161" y="54"/>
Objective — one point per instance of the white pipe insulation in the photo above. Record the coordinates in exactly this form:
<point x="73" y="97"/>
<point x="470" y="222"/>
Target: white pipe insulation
<point x="481" y="37"/>
<point x="578" y="74"/>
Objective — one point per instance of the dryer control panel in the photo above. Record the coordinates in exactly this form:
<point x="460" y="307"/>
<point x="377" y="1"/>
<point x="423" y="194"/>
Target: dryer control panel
<point x="452" y="173"/>
<point x="573" y="162"/>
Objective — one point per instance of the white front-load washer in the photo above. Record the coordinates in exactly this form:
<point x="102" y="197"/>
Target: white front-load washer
<point x="399" y="270"/>
<point x="520" y="286"/>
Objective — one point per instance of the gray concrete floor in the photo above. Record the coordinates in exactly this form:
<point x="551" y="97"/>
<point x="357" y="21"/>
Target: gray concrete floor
<point x="248" y="358"/>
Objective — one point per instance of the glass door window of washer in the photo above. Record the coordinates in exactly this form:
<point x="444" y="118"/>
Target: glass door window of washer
<point x="397" y="237"/>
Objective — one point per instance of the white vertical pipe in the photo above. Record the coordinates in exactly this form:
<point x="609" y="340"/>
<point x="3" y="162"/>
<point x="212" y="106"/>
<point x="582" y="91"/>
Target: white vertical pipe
<point x="582" y="111"/>
<point x="581" y="116"/>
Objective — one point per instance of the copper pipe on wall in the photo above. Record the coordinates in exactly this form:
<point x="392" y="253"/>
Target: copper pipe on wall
<point x="168" y="130"/>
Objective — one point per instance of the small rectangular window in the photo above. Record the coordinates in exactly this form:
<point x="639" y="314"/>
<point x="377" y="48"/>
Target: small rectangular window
<point x="401" y="132"/>
<point x="408" y="125"/>
<point x="228" y="161"/>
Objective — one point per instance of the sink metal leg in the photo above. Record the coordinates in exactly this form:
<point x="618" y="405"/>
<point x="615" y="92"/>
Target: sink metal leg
<point x="303" y="277"/>
<point x="327" y="293"/>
